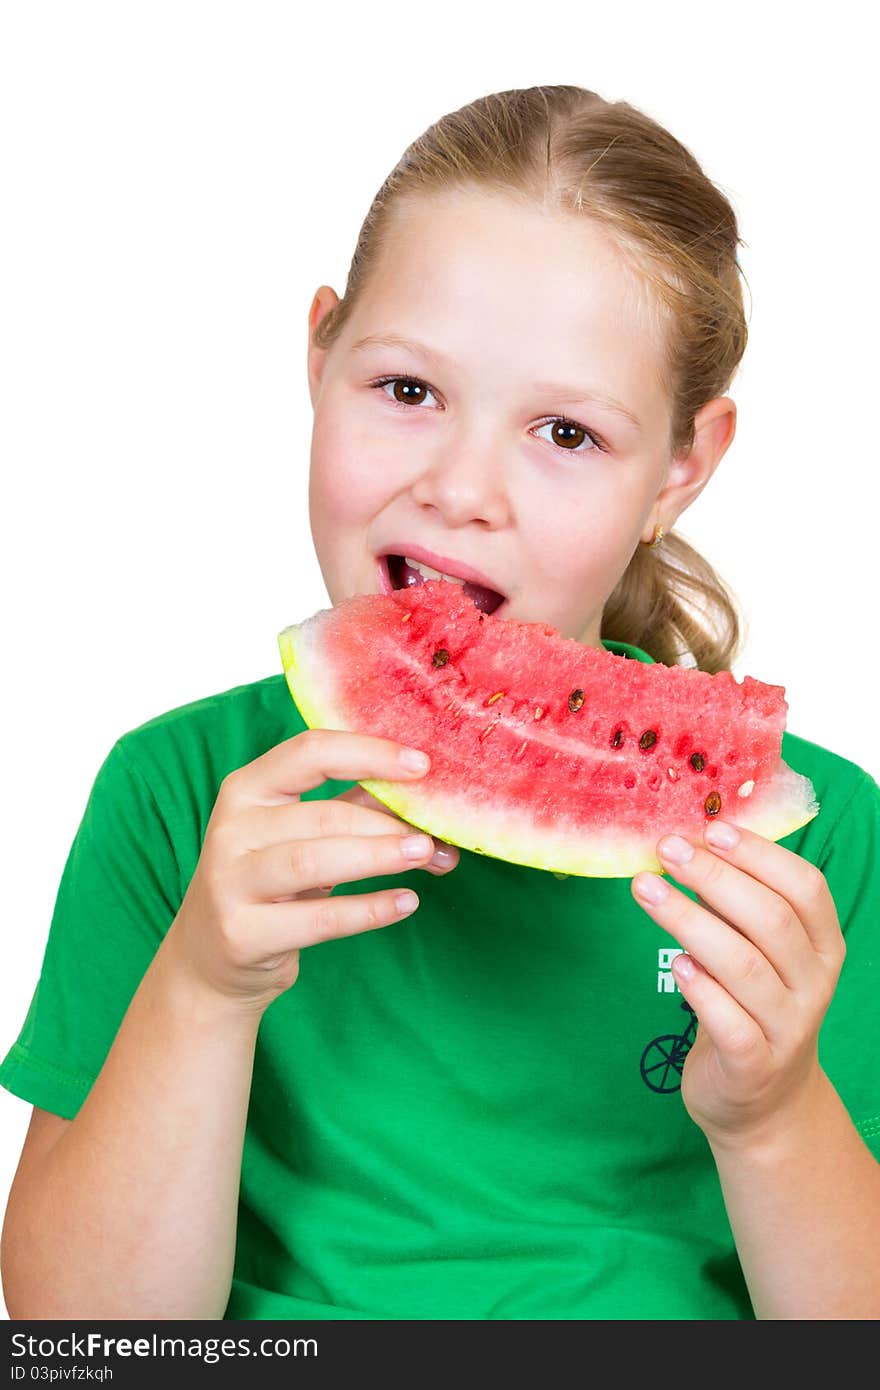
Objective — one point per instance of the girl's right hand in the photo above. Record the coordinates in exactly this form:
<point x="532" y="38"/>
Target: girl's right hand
<point x="258" y="893"/>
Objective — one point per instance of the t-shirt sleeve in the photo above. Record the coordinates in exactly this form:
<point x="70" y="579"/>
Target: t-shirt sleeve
<point x="120" y="890"/>
<point x="849" y="1042"/>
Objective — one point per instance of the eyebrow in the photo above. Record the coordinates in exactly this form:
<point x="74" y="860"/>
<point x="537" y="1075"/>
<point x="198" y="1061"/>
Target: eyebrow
<point x="573" y="394"/>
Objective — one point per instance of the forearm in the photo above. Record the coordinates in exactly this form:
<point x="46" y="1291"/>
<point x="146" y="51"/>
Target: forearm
<point x="804" y="1208"/>
<point x="132" y="1213"/>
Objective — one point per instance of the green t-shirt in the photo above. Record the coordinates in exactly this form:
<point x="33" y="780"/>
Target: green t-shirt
<point x="473" y="1113"/>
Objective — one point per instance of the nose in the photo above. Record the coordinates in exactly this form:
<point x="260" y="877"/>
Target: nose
<point x="464" y="478"/>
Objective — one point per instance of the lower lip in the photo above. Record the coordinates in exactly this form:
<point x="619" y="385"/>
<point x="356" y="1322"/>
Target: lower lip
<point x="386" y="587"/>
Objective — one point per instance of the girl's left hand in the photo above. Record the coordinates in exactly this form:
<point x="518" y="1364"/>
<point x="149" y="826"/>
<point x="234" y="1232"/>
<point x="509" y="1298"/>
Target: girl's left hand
<point x="764" y="952"/>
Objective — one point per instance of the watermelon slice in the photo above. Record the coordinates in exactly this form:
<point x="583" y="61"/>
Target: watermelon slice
<point x="544" y="752"/>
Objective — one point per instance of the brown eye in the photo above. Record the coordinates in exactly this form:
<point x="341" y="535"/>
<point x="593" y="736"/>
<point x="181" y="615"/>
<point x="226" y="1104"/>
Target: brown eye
<point x="411" y="391"/>
<point x="406" y="390"/>
<point x="569" y="435"/>
<point x="565" y="434"/>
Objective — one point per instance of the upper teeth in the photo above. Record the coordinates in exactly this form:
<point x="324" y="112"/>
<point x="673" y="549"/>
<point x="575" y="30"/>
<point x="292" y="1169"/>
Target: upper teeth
<point x="429" y="573"/>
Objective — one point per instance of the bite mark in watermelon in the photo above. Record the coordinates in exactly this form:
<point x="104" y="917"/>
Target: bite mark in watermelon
<point x="544" y="752"/>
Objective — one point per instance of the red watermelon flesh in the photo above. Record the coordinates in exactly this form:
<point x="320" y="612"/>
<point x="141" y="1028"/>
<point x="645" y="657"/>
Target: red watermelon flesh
<point x="544" y="752"/>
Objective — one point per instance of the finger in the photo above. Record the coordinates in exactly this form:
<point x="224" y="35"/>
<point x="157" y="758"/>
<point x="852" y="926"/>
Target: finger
<point x="446" y="856"/>
<point x="735" y="1035"/>
<point x="260" y="826"/>
<point x="734" y="961"/>
<point x="359" y="796"/>
<point x="290" y="926"/>
<point x="283" y="871"/>
<point x="792" y="878"/>
<point x="767" y="919"/>
<point x="307" y="760"/>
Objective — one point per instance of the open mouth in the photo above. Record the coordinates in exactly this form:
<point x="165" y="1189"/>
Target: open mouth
<point x="400" y="574"/>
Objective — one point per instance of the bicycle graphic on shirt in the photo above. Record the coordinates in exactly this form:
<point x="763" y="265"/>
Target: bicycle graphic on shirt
<point x="663" y="1059"/>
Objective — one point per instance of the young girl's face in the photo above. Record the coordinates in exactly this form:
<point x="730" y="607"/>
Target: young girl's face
<point x="493" y="445"/>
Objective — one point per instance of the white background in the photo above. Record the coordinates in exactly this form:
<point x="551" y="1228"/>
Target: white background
<point x="177" y="181"/>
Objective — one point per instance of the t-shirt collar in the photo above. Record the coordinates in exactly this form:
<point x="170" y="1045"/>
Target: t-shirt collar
<point x="627" y="649"/>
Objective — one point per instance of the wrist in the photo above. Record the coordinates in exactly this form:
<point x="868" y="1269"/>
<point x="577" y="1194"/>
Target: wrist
<point x="784" y="1134"/>
<point x="193" y="998"/>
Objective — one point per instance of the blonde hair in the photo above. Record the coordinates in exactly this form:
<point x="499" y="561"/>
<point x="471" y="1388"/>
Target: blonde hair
<point x="569" y="147"/>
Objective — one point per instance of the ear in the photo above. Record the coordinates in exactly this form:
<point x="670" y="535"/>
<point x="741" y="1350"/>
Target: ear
<point x="688" y="474"/>
<point x="325" y="299"/>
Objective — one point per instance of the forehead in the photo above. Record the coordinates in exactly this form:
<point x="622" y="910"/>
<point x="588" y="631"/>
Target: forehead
<point x="468" y="269"/>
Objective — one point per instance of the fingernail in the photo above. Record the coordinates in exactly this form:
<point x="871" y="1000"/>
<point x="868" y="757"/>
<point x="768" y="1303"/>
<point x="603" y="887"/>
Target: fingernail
<point x="416" y="846"/>
<point x="650" y="887"/>
<point x="676" y="850"/>
<point x="413" y="760"/>
<point x="683" y="965"/>
<point x="444" y="858"/>
<point x="722" y="835"/>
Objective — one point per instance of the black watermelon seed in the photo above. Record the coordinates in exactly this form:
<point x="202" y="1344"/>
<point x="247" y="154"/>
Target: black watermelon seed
<point x="441" y="656"/>
<point x="648" y="739"/>
<point x="617" y="739"/>
<point x="575" y="700"/>
<point x="713" y="804"/>
<point x="698" y="762"/>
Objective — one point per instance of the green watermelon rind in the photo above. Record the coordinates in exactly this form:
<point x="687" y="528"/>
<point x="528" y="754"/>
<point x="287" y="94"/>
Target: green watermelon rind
<point x="784" y="803"/>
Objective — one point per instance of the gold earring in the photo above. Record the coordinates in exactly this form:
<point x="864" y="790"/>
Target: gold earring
<point x="659" y="533"/>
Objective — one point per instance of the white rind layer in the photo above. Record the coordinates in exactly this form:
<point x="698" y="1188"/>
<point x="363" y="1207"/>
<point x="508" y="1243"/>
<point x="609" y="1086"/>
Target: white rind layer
<point x="782" y="805"/>
<point x="787" y="804"/>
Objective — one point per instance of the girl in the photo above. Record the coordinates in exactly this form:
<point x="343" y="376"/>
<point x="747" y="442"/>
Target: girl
<point x="481" y="1112"/>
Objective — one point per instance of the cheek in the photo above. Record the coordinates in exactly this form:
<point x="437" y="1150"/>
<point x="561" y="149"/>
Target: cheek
<point x="576" y="542"/>
<point x="345" y="477"/>
<point x="575" y="559"/>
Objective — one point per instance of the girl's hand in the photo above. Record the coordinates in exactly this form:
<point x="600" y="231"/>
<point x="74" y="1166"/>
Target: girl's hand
<point x="268" y="860"/>
<point x="764" y="952"/>
<point x="445" y="856"/>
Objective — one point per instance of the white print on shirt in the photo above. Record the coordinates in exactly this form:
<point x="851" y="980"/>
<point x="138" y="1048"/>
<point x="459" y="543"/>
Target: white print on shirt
<point x="665" y="978"/>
